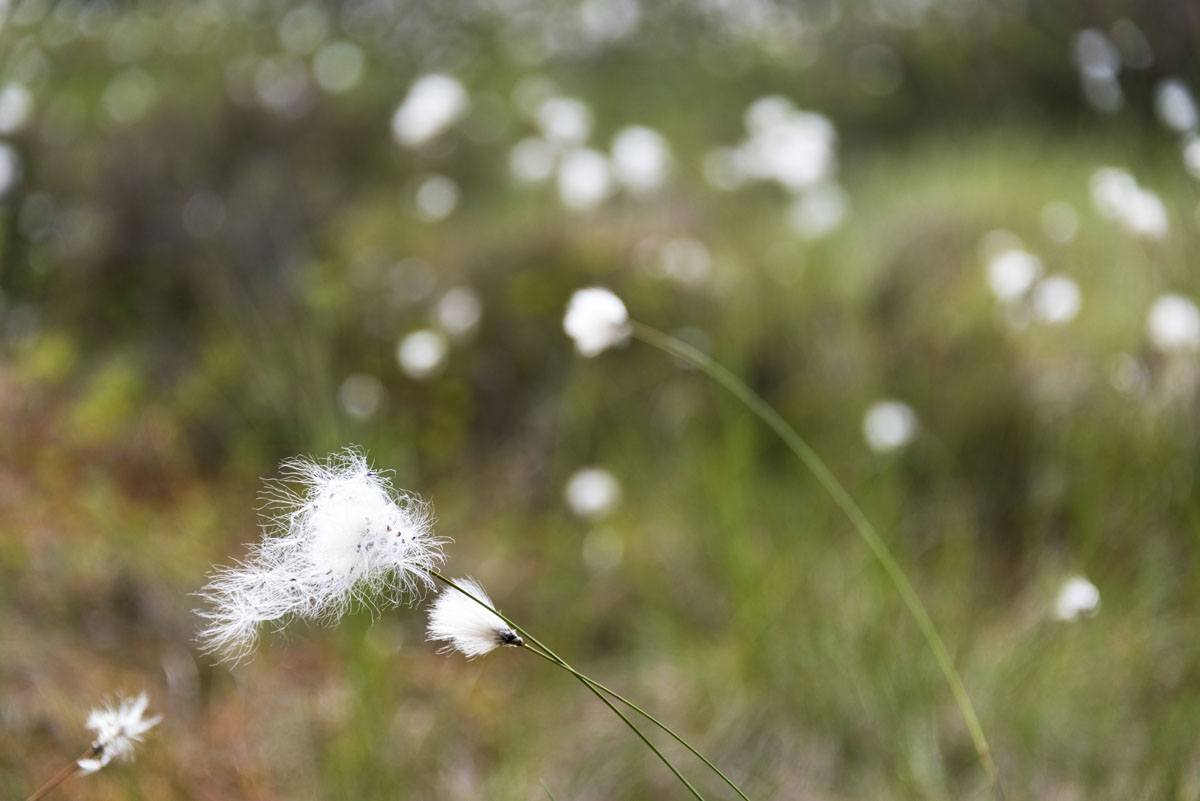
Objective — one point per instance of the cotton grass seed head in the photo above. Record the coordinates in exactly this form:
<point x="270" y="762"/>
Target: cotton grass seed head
<point x="336" y="534"/>
<point x="466" y="626"/>
<point x="597" y="320"/>
<point x="1077" y="597"/>
<point x="119" y="726"/>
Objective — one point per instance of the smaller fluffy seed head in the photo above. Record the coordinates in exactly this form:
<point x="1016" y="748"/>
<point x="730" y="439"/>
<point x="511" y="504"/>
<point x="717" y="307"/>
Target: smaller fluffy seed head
<point x="119" y="726"/>
<point x="597" y="320"/>
<point x="458" y="620"/>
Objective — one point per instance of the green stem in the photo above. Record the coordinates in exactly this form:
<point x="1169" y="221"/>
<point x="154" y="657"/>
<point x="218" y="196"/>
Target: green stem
<point x="556" y="659"/>
<point x="616" y="695"/>
<point x="765" y="412"/>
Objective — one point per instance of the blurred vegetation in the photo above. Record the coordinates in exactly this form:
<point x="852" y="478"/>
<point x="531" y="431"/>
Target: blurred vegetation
<point x="204" y="243"/>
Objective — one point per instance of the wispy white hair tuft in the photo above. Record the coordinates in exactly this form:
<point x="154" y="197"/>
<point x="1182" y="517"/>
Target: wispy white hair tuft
<point x="119" y="727"/>
<point x="464" y="625"/>
<point x="337" y="534"/>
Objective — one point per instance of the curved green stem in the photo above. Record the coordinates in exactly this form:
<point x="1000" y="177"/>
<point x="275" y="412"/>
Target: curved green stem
<point x="825" y="477"/>
<point x="559" y="661"/>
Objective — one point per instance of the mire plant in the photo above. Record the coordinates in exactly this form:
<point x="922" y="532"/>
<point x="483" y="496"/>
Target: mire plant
<point x="338" y="534"/>
<point x="119" y="726"/>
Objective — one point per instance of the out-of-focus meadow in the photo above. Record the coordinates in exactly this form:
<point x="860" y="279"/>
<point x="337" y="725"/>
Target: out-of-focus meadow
<point x="954" y="243"/>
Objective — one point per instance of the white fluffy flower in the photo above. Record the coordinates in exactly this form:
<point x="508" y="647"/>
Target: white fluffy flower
<point x="1174" y="323"/>
<point x="584" y="179"/>
<point x="565" y="121"/>
<point x="1011" y="272"/>
<point x="119" y="727"/>
<point x="465" y="625"/>
<point x="342" y="536"/>
<point x="597" y="320"/>
<point x="434" y="103"/>
<point x="1076" y="597"/>
<point x="592" y="493"/>
<point x="889" y="425"/>
<point x="1056" y="300"/>
<point x="797" y="149"/>
<point x="16" y="104"/>
<point x="421" y="354"/>
<point x="641" y="159"/>
<point x="1117" y="196"/>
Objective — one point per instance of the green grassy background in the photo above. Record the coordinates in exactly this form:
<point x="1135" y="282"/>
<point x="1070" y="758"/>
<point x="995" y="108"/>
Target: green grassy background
<point x="150" y="378"/>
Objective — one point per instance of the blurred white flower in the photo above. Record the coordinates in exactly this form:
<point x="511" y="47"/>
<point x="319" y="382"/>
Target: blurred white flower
<point x="584" y="180"/>
<point x="458" y="311"/>
<point x="361" y="395"/>
<point x="421" y="353"/>
<point x="565" y="121"/>
<point x="603" y="21"/>
<point x="796" y="151"/>
<point x="1103" y="94"/>
<point x="437" y="198"/>
<point x="1095" y="56"/>
<point x="16" y="105"/>
<point x="889" y="425"/>
<point x="641" y="159"/>
<point x="1175" y="106"/>
<point x="338" y="534"/>
<point x="1056" y="300"/>
<point x="767" y="112"/>
<point x="819" y="211"/>
<point x="1060" y="221"/>
<point x="592" y="493"/>
<point x="597" y="320"/>
<point x="1174" y="323"/>
<point x="303" y="29"/>
<point x="339" y="66"/>
<point x="1010" y="273"/>
<point x="10" y="168"/>
<point x="793" y="148"/>
<point x="532" y="160"/>
<point x="1117" y="196"/>
<point x="465" y="625"/>
<point x="996" y="241"/>
<point x="1191" y="155"/>
<point x="433" y="104"/>
<point x="282" y="85"/>
<point x="1076" y="597"/>
<point x="119" y="727"/>
<point x="1132" y="44"/>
